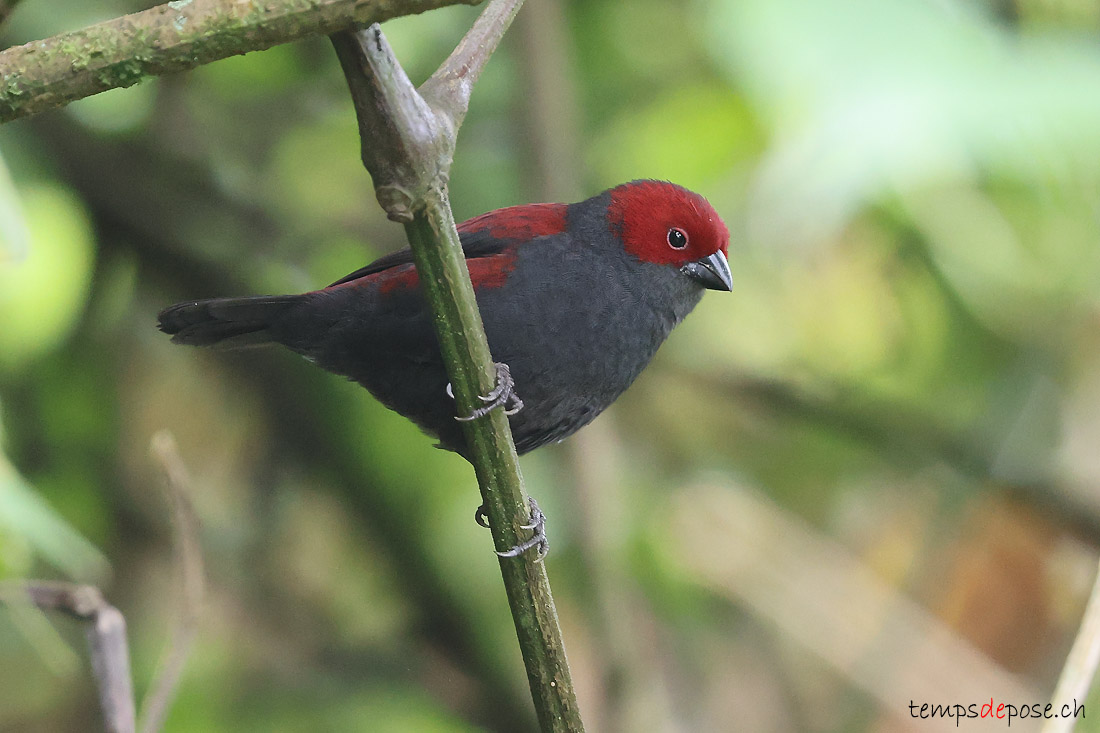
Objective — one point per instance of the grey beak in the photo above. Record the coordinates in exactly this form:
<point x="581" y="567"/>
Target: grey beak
<point x="713" y="272"/>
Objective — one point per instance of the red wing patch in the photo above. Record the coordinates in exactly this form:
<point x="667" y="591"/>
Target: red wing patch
<point x="489" y="241"/>
<point x="402" y="277"/>
<point x="485" y="272"/>
<point x="519" y="223"/>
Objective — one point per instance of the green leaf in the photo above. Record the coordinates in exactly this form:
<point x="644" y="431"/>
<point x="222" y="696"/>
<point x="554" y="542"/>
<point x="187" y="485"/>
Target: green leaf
<point x="25" y="514"/>
<point x="42" y="295"/>
<point x="868" y="98"/>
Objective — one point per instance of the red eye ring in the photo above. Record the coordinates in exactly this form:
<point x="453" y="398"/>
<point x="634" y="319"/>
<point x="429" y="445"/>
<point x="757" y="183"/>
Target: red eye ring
<point x="677" y="238"/>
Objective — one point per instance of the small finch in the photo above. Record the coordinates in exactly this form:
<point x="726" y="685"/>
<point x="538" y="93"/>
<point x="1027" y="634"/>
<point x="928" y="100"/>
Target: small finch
<point x="576" y="299"/>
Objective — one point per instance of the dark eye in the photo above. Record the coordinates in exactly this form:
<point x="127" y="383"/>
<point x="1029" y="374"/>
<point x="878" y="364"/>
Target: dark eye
<point x="677" y="238"/>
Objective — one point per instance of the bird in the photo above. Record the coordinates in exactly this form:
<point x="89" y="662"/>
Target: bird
<point x="575" y="300"/>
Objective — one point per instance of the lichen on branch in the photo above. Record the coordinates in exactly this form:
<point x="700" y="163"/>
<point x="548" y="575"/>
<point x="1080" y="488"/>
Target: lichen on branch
<point x="176" y="36"/>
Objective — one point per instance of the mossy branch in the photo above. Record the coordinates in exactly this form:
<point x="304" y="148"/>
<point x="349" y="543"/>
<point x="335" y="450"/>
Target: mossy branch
<point x="176" y="36"/>
<point x="408" y="142"/>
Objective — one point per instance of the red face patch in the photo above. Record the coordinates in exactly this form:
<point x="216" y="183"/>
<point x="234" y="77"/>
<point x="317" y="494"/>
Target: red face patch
<point x="664" y="223"/>
<point x="519" y="223"/>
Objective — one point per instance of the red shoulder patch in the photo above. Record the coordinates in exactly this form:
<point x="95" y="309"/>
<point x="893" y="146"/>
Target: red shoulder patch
<point x="519" y="223"/>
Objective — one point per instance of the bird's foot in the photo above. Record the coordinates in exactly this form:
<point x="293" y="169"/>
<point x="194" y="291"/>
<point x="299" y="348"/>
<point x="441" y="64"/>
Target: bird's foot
<point x="502" y="395"/>
<point x="537" y="539"/>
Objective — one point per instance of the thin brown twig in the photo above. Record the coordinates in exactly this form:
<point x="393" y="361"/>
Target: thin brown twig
<point x="189" y="560"/>
<point x="106" y="633"/>
<point x="105" y="625"/>
<point x="1080" y="669"/>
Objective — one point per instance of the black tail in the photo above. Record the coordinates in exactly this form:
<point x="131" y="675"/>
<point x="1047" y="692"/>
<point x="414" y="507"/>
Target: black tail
<point x="230" y="322"/>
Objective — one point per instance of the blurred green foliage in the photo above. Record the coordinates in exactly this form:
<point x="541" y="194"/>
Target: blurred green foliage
<point x="908" y="369"/>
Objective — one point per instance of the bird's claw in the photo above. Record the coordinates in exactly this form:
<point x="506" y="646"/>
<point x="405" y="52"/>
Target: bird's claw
<point x="481" y="516"/>
<point x="538" y="536"/>
<point x="503" y="394"/>
<point x="537" y="539"/>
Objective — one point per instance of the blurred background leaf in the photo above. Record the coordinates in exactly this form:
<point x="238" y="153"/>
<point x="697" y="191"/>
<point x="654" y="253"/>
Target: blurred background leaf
<point x="14" y="237"/>
<point x="26" y="518"/>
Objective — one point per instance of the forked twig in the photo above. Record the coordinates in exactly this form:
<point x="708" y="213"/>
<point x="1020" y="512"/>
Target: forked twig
<point x="192" y="579"/>
<point x="408" y="143"/>
<point x="105" y="626"/>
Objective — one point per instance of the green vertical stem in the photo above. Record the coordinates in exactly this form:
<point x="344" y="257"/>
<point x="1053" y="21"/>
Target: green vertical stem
<point x="408" y="143"/>
<point x="446" y="284"/>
